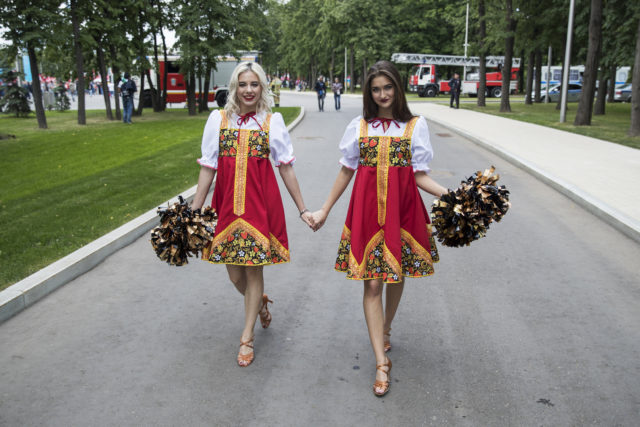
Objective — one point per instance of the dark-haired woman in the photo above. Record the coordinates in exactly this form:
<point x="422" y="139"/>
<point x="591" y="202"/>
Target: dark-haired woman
<point x="387" y="234"/>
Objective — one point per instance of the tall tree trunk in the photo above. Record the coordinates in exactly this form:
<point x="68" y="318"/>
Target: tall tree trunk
<point x="364" y="71"/>
<point x="352" y="67"/>
<point x="521" y="83"/>
<point x="585" y="107"/>
<point x="77" y="47"/>
<point x="482" y="35"/>
<point x="505" y="106"/>
<point x="103" y="80"/>
<point x="141" y="55"/>
<point x="191" y="93"/>
<point x="611" y="89"/>
<point x="37" y="90"/>
<point x="162" y="87"/>
<point x="538" y="77"/>
<point x="559" y="103"/>
<point x="138" y="111"/>
<point x="529" y="87"/>
<point x="601" y="99"/>
<point x="116" y="79"/>
<point x="634" y="129"/>
<point x="157" y="105"/>
<point x="331" y="65"/>
<point x="204" y="104"/>
<point x="154" y="97"/>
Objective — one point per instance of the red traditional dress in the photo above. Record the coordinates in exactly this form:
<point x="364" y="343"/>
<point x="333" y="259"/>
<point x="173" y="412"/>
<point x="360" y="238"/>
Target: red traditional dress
<point x="387" y="233"/>
<point x="251" y="226"/>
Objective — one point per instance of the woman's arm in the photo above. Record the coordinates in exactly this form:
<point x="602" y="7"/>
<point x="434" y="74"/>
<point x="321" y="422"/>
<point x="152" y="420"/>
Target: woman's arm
<point x="342" y="181"/>
<point x="204" y="183"/>
<point x="428" y="184"/>
<point x="291" y="182"/>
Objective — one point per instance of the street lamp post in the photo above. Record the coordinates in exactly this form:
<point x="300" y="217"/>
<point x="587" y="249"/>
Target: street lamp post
<point x="546" y="98"/>
<point x="466" y="42"/>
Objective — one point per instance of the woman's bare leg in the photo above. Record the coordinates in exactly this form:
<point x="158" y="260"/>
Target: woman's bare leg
<point x="238" y="276"/>
<point x="394" y="294"/>
<point x="374" y="315"/>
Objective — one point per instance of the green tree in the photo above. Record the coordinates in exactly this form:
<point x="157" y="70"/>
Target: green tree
<point x="585" y="107"/>
<point x="27" y="24"/>
<point x="509" y="39"/>
<point x="634" y="128"/>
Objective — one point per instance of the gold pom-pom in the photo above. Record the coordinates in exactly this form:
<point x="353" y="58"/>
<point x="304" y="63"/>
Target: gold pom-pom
<point x="464" y="215"/>
<point x="182" y="232"/>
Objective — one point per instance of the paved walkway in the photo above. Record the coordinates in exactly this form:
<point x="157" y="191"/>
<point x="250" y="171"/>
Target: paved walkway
<point x="536" y="324"/>
<point x="600" y="175"/>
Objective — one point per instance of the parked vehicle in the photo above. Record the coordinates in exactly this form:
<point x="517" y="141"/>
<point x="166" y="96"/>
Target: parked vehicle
<point x="494" y="83"/>
<point x="176" y="84"/>
<point x="426" y="81"/>
<point x="623" y="93"/>
<point x="555" y="92"/>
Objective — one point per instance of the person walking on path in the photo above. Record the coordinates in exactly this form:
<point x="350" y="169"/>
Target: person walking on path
<point x="321" y="89"/>
<point x="387" y="233"/>
<point x="275" y="85"/>
<point x="454" y="88"/>
<point x="336" y="88"/>
<point x="251" y="230"/>
<point x="127" y="89"/>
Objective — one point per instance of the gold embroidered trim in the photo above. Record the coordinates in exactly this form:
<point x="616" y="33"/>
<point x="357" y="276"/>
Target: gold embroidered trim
<point x="272" y="244"/>
<point x="415" y="246"/>
<point x="225" y="121"/>
<point x="391" y="260"/>
<point x="277" y="247"/>
<point x="359" y="268"/>
<point x="408" y="129"/>
<point x="240" y="182"/>
<point x="364" y="128"/>
<point x="267" y="124"/>
<point x="383" y="177"/>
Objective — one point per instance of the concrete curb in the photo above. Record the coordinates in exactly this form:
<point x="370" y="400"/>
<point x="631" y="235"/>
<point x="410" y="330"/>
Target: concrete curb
<point x="612" y="216"/>
<point x="29" y="290"/>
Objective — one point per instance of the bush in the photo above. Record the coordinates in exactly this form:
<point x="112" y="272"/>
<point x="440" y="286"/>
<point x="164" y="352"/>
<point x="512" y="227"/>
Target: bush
<point x="62" y="100"/>
<point x="15" y="99"/>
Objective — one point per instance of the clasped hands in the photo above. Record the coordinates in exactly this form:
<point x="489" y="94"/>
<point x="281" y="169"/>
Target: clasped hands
<point x="315" y="220"/>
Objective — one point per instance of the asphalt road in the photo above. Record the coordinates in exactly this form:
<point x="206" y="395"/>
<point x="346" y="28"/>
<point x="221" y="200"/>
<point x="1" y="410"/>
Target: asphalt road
<point x="537" y="324"/>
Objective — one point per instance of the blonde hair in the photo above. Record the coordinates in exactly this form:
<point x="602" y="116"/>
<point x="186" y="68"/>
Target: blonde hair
<point x="233" y="104"/>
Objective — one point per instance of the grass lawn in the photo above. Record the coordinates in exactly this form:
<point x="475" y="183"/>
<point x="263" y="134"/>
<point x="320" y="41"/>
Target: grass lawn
<point x="63" y="187"/>
<point x="613" y="126"/>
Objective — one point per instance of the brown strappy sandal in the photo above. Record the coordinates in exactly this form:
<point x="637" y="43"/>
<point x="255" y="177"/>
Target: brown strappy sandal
<point x="387" y="341"/>
<point x="265" y="316"/>
<point x="383" y="384"/>
<point x="245" y="360"/>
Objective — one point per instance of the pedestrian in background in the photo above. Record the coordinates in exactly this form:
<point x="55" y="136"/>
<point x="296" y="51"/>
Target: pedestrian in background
<point x="454" y="89"/>
<point x="251" y="230"/>
<point x="127" y="89"/>
<point x="321" y="89"/>
<point x="386" y="236"/>
<point x="275" y="85"/>
<point x="336" y="88"/>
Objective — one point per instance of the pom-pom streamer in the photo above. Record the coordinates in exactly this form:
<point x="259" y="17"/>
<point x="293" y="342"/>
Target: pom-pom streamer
<point x="464" y="215"/>
<point x="182" y="232"/>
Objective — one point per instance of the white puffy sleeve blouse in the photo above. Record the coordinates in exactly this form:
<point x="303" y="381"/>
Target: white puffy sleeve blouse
<point x="279" y="140"/>
<point x="421" y="150"/>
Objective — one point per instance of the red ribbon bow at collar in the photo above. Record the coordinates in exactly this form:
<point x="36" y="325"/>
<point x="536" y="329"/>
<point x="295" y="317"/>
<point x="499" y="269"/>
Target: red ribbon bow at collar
<point x="243" y="119"/>
<point x="386" y="123"/>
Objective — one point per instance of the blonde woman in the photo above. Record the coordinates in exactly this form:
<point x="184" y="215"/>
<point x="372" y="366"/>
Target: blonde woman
<point x="251" y="230"/>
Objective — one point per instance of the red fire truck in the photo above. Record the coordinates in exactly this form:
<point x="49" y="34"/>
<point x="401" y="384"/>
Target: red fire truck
<point x="218" y="81"/>
<point x="425" y="78"/>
